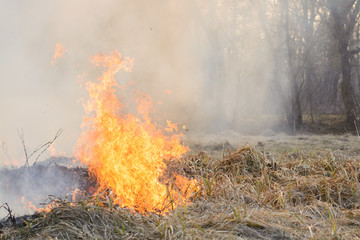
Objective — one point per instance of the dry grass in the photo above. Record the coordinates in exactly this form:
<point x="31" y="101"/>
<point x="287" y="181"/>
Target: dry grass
<point x="246" y="194"/>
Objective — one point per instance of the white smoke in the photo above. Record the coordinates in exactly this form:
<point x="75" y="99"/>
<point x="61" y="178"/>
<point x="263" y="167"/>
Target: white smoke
<point x="217" y="70"/>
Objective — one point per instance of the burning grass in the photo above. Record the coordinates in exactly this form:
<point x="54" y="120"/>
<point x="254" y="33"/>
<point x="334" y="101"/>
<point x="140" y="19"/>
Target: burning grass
<point x="128" y="153"/>
<point x="246" y="194"/>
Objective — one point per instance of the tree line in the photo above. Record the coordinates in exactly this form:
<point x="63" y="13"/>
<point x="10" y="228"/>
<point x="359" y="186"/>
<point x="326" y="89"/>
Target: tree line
<point x="308" y="49"/>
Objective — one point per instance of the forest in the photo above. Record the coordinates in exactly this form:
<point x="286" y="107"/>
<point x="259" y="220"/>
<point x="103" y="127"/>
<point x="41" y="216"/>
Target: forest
<point x="306" y="52"/>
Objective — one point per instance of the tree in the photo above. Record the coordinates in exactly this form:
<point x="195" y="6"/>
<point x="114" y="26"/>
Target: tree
<point x="343" y="20"/>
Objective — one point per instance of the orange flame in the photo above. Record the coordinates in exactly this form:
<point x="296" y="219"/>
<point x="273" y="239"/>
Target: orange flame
<point x="52" y="150"/>
<point x="171" y="127"/>
<point x="127" y="153"/>
<point x="30" y="206"/>
<point x="59" y="52"/>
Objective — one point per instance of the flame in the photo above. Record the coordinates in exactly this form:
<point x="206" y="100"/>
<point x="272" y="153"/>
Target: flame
<point x="171" y="127"/>
<point x="75" y="194"/>
<point x="55" y="152"/>
<point x="12" y="163"/>
<point x="127" y="153"/>
<point x="59" y="52"/>
<point x="52" y="150"/>
<point x="30" y="206"/>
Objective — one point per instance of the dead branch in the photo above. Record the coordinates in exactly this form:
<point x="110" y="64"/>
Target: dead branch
<point x="47" y="145"/>
<point x="22" y="138"/>
<point x="40" y="149"/>
<point x="10" y="215"/>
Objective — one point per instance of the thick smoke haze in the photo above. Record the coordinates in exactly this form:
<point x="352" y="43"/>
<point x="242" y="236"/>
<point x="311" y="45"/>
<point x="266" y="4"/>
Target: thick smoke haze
<point x="178" y="50"/>
<point x="210" y="75"/>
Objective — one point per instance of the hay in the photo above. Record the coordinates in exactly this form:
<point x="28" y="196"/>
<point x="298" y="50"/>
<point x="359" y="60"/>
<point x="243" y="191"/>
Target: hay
<point x="243" y="160"/>
<point x="246" y="194"/>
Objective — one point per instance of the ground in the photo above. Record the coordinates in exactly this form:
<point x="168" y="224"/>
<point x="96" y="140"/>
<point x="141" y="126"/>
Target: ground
<point x="272" y="186"/>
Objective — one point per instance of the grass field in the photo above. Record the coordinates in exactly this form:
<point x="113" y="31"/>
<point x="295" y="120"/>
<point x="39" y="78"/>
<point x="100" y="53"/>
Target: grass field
<point x="279" y="187"/>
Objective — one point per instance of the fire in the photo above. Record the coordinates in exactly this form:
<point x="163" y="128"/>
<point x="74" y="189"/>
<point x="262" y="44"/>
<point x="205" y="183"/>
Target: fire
<point x="127" y="153"/>
<point x="171" y="127"/>
<point x="30" y="206"/>
<point x="59" y="52"/>
<point x="75" y="194"/>
<point x="52" y="150"/>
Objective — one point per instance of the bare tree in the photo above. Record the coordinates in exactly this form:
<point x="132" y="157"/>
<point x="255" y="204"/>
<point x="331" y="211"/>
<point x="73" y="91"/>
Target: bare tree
<point x="343" y="20"/>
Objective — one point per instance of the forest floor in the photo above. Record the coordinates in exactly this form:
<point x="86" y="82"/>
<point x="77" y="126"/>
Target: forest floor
<point x="273" y="186"/>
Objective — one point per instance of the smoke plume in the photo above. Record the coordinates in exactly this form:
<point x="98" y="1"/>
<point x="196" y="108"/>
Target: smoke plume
<point x="201" y="69"/>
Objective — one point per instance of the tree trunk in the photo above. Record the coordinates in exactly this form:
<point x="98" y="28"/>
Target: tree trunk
<point x="347" y="90"/>
<point x="294" y="117"/>
<point x="344" y="18"/>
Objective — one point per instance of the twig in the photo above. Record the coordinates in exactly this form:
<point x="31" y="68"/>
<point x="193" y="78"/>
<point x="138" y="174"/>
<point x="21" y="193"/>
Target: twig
<point x="48" y="144"/>
<point x="41" y="148"/>
<point x="21" y="135"/>
<point x="11" y="216"/>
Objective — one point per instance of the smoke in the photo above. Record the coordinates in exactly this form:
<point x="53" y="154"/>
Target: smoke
<point x="205" y="65"/>
<point x="26" y="189"/>
<point x="215" y="64"/>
